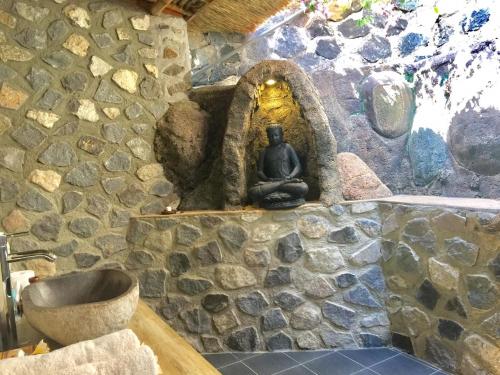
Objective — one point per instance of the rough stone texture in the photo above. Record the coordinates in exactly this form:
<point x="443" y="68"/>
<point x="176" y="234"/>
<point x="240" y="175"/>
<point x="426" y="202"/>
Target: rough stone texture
<point x="233" y="236"/>
<point x="244" y="340"/>
<point x="358" y="180"/>
<point x="290" y="248"/>
<point x="48" y="180"/>
<point x="234" y="277"/>
<point x="339" y="315"/>
<point x="324" y="260"/>
<point x="305" y="317"/>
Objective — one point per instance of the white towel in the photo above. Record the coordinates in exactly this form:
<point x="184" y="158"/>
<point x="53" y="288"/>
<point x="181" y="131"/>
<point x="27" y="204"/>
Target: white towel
<point x="101" y="350"/>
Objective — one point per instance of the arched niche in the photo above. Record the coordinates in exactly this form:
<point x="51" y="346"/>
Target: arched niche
<point x="239" y="147"/>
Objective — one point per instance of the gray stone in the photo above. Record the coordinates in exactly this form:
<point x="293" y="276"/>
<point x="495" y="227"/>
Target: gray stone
<point x="145" y="38"/>
<point x="243" y="340"/>
<point x="141" y="128"/>
<point x="288" y="301"/>
<point x="59" y="154"/>
<point x="376" y="48"/>
<point x="66" y="249"/>
<point x="492" y="325"/>
<point x="277" y="277"/>
<point x="373" y="278"/>
<point x="29" y="136"/>
<point x="345" y="280"/>
<point x="187" y="234"/>
<point x="71" y="200"/>
<point x="138" y="230"/>
<point x="428" y="155"/>
<point x="113" y="132"/>
<point x="164" y="224"/>
<point x="211" y="344"/>
<point x="120" y="161"/>
<point x="273" y="319"/>
<point x="307" y="316"/>
<point x="31" y="13"/>
<point x="67" y="129"/>
<point x="375" y="320"/>
<point x="97" y="205"/>
<point x="234" y="277"/>
<point x="126" y="55"/>
<point x="193" y="286"/>
<point x="360" y="296"/>
<point x="308" y="341"/>
<point x="58" y="30"/>
<point x="313" y="226"/>
<point x="173" y="306"/>
<point x="178" y="263"/>
<point x="103" y="40"/>
<point x="152" y="283"/>
<point x="369" y="340"/>
<point x="328" y="48"/>
<point x="134" y="110"/>
<point x="215" y="302"/>
<point x="7" y="73"/>
<point x="482" y="292"/>
<point x="161" y="188"/>
<point x="449" y="329"/>
<point x="196" y="321"/>
<point x="154" y="207"/>
<point x="173" y="70"/>
<point x="252" y="304"/>
<point x="418" y="232"/>
<point x="337" y="210"/>
<point x="290" y="43"/>
<point x="335" y="339"/>
<point x="139" y="259"/>
<point x="50" y="99"/>
<point x="406" y="259"/>
<point x="290" y="248"/>
<point x="461" y="251"/>
<point x="75" y="82"/>
<point x="119" y="218"/>
<point x="494" y="266"/>
<point x="209" y="253"/>
<point x="58" y="59"/>
<point x="346" y="235"/>
<point x="211" y="221"/>
<point x="86" y="260"/>
<point x="233" y="236"/>
<point x="111" y="244"/>
<point x="427" y="295"/>
<point x="324" y="260"/>
<point x="257" y="258"/>
<point x="456" y="305"/>
<point x="410" y="42"/>
<point x="85" y="174"/>
<point x="370" y="227"/>
<point x="84" y="227"/>
<point x="32" y="38"/>
<point x="339" y="315"/>
<point x="370" y="253"/>
<point x="47" y="228"/>
<point x="112" y="19"/>
<point x="107" y="94"/>
<point x="279" y="341"/>
<point x="32" y="200"/>
<point x="437" y="352"/>
<point x="351" y="29"/>
<point x="363" y="207"/>
<point x="319" y="288"/>
<point x="92" y="145"/>
<point x="139" y="148"/>
<point x="150" y="89"/>
<point x="12" y="158"/>
<point x="319" y="27"/>
<point x="39" y="78"/>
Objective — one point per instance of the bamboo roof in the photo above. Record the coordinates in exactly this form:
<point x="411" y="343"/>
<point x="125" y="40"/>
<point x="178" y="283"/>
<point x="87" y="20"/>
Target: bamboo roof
<point x="242" y="16"/>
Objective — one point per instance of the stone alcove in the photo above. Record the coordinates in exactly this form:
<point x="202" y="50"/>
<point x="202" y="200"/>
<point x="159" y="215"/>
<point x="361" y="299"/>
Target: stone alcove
<point x="295" y="103"/>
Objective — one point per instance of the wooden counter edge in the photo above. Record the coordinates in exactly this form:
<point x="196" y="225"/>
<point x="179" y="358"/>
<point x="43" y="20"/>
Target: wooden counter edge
<point x="175" y="355"/>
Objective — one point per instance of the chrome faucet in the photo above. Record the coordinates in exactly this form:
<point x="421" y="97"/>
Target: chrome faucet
<point x="8" y="331"/>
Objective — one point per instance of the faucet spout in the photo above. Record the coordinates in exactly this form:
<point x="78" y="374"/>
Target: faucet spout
<point x="33" y="254"/>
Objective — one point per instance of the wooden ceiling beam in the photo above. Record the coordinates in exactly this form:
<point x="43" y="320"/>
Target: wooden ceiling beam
<point x="159" y="7"/>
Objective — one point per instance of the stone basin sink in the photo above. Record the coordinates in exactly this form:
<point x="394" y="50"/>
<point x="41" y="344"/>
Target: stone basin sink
<point x="81" y="306"/>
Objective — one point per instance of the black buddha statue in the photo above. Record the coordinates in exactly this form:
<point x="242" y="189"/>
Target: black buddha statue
<point x="278" y="170"/>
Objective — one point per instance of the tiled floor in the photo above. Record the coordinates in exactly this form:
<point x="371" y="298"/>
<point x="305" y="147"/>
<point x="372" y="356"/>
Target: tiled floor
<point x="379" y="361"/>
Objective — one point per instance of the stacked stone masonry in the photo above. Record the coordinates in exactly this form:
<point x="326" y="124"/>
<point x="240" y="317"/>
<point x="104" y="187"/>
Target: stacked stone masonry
<point x="82" y="85"/>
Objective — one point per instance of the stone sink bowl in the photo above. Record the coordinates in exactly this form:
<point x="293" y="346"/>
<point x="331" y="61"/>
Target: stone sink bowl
<point x="81" y="306"/>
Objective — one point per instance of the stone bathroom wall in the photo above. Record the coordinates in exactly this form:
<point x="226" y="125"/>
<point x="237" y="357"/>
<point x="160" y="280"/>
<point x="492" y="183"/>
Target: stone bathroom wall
<point x="307" y="278"/>
<point x="83" y="84"/>
<point x="426" y="143"/>
<point x="442" y="268"/>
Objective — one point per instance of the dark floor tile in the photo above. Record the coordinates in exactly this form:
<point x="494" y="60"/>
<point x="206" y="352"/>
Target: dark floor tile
<point x="402" y="365"/>
<point x="305" y="356"/>
<point x="269" y="363"/>
<point x="299" y="370"/>
<point x="244" y="355"/>
<point x="366" y="371"/>
<point x="236" y="369"/>
<point x="368" y="357"/>
<point x="333" y="364"/>
<point x="223" y="359"/>
<point x="440" y="373"/>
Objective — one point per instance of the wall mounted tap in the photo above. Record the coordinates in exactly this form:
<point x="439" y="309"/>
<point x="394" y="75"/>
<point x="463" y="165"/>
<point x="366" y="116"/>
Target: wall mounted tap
<point x="8" y="331"/>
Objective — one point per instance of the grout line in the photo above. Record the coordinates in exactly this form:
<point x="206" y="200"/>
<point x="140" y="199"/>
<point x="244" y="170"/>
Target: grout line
<point x="421" y="361"/>
<point x="362" y="365"/>
<point x="248" y="367"/>
<point x="238" y="360"/>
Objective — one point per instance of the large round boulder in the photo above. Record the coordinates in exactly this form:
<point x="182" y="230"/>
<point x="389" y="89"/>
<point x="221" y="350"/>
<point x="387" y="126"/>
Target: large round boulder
<point x="474" y="138"/>
<point x="389" y="103"/>
<point x="358" y="180"/>
<point x="184" y="133"/>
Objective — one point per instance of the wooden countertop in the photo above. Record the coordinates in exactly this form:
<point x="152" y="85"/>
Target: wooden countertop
<point x="175" y="355"/>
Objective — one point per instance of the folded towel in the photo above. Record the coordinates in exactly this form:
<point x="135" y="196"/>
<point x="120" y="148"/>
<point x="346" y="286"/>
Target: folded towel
<point x="102" y="349"/>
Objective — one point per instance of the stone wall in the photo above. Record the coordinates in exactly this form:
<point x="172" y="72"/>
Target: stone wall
<point x="442" y="267"/>
<point x="82" y="87"/>
<point x="307" y="278"/>
<point x="418" y="124"/>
